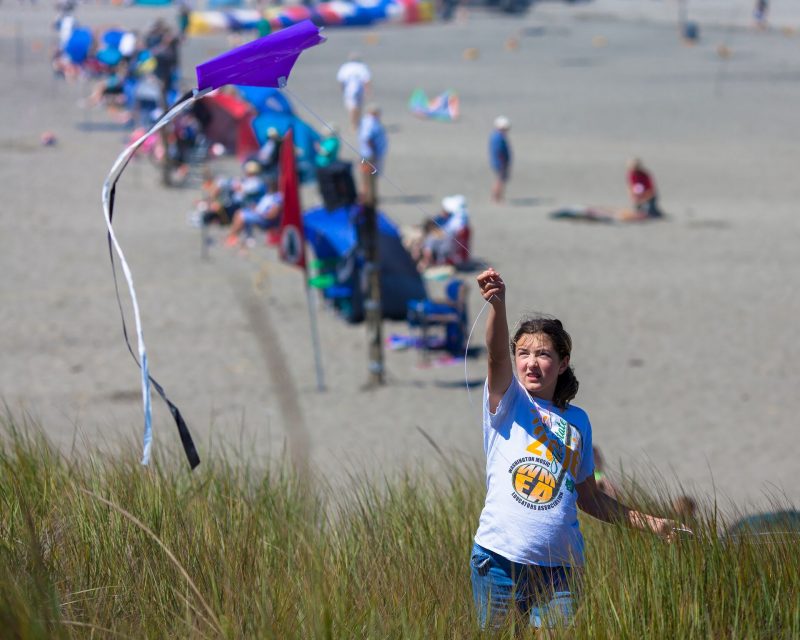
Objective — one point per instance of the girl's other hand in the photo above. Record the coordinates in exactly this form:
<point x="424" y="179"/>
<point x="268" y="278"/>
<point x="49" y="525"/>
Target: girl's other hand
<point x="670" y="530"/>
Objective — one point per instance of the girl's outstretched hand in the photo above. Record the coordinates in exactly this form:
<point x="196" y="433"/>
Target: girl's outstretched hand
<point x="492" y="287"/>
<point x="670" y="530"/>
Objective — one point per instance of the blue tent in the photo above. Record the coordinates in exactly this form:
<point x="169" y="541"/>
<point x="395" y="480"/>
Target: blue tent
<point x="333" y="235"/>
<point x="266" y="99"/>
<point x="275" y="112"/>
<point x="305" y="139"/>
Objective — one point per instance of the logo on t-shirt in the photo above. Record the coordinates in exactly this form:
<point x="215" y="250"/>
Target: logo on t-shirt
<point x="537" y="479"/>
<point x="534" y="483"/>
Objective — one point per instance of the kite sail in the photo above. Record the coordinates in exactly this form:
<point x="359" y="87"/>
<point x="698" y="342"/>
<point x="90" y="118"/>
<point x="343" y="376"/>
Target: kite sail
<point x="265" y="62"/>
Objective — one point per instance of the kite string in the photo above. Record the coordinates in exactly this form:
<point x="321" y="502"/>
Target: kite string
<point x="401" y="191"/>
<point x="466" y="350"/>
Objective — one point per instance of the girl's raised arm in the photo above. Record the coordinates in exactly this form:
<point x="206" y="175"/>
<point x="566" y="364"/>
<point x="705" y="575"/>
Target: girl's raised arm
<point x="500" y="371"/>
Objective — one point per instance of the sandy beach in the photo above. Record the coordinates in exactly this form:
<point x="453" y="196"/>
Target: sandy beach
<point x="683" y="330"/>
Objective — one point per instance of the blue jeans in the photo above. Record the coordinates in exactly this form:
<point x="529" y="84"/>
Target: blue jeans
<point x="542" y="594"/>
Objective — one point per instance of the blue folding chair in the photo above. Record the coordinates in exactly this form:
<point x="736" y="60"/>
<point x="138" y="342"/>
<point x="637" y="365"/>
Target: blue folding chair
<point x="449" y="314"/>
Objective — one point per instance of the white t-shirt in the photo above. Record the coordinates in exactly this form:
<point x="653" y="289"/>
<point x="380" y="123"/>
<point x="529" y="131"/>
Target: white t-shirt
<point x="535" y="455"/>
<point x="353" y="76"/>
<point x="267" y="201"/>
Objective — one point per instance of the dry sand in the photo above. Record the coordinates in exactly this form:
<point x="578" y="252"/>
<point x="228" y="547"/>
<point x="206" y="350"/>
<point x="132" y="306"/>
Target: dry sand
<point x="684" y="330"/>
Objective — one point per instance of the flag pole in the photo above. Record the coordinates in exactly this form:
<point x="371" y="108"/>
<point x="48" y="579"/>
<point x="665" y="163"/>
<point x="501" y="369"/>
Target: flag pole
<point x="292" y="242"/>
<point x="374" y="312"/>
<point x="315" y="345"/>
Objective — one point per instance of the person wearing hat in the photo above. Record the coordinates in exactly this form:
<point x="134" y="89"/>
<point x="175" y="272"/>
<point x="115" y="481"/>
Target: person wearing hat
<point x="456" y="225"/>
<point x="269" y="154"/>
<point x="445" y="237"/>
<point x="265" y="214"/>
<point x="500" y="156"/>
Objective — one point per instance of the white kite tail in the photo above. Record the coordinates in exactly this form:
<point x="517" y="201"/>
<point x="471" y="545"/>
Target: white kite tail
<point x="108" y="193"/>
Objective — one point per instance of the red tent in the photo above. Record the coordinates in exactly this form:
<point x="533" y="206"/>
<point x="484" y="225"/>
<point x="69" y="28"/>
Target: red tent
<point x="229" y="121"/>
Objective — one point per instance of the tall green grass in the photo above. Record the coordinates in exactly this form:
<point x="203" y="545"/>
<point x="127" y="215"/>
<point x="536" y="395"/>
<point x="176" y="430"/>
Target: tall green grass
<point x="104" y="548"/>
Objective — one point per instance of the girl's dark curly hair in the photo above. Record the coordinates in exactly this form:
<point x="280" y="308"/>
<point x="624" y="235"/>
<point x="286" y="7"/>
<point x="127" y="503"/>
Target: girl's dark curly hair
<point x="567" y="385"/>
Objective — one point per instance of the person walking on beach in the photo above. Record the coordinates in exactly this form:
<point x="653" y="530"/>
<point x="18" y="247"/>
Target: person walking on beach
<point x="760" y="13"/>
<point x="500" y="157"/>
<point x="528" y="549"/>
<point x="372" y="145"/>
<point x="354" y="77"/>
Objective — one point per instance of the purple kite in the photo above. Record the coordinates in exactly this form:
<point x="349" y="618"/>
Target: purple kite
<point x="265" y="62"/>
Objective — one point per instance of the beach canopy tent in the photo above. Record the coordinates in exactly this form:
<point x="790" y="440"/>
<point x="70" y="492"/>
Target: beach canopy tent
<point x="305" y="139"/>
<point x="227" y="17"/>
<point x="333" y="236"/>
<point x="275" y="112"/>
<point x="228" y="120"/>
<point x="266" y="99"/>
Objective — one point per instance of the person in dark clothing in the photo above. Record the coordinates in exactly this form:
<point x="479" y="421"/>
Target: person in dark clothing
<point x="500" y="157"/>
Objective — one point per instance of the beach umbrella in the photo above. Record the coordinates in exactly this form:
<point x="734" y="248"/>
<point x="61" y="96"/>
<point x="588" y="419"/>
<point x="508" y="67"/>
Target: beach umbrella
<point x="265" y="62"/>
<point x="79" y="44"/>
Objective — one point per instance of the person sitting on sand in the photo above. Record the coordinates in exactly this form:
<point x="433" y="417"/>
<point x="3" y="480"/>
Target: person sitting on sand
<point x="642" y="190"/>
<point x="441" y="237"/>
<point x="218" y="203"/>
<point x="110" y="90"/>
<point x="434" y="246"/>
<point x="266" y="214"/>
<point x="528" y="549"/>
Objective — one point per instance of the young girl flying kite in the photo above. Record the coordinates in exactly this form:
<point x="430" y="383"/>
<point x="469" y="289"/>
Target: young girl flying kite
<point x="528" y="549"/>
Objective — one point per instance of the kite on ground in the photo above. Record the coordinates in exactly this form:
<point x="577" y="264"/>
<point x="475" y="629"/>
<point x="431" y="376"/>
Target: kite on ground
<point x="444" y="107"/>
<point x="265" y="62"/>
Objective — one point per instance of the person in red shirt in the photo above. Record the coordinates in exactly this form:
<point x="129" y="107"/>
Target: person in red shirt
<point x="642" y="190"/>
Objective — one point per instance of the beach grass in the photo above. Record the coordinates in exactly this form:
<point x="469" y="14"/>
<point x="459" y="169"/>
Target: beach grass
<point x="101" y="547"/>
